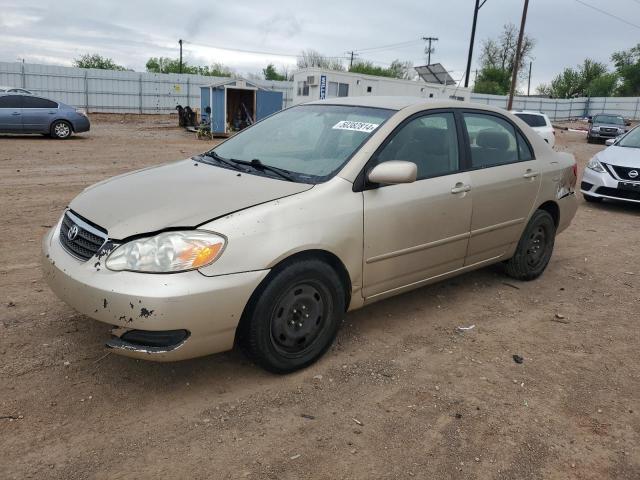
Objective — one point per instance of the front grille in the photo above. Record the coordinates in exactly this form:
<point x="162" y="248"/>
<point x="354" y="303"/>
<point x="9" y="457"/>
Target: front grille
<point x="87" y="241"/>
<point x="623" y="173"/>
<point x="618" y="193"/>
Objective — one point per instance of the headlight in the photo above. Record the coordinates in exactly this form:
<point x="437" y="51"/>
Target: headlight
<point x="595" y="165"/>
<point x="595" y="129"/>
<point x="168" y="252"/>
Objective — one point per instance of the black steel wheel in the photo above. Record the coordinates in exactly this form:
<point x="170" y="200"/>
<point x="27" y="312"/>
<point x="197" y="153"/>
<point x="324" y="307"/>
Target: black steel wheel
<point x="294" y="316"/>
<point x="534" y="249"/>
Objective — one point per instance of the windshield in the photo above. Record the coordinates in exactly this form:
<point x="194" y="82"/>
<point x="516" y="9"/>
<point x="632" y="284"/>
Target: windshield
<point x="311" y="142"/>
<point x="631" y="139"/>
<point x="608" y="120"/>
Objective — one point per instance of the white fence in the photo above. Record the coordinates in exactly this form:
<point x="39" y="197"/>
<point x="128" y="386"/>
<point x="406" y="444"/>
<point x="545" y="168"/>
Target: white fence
<point x="136" y="92"/>
<point x="565" y="109"/>
<point x="117" y="92"/>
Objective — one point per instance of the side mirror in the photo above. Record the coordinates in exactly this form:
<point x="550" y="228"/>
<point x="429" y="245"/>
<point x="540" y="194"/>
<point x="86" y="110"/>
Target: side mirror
<point x="610" y="141"/>
<point x="590" y="120"/>
<point x="627" y="123"/>
<point x="393" y="172"/>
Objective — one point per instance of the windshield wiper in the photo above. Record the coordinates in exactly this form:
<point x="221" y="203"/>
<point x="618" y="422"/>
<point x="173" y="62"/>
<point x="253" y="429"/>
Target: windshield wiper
<point x="230" y="162"/>
<point x="258" y="165"/>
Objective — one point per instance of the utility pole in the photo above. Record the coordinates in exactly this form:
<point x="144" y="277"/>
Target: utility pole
<point x="476" y="9"/>
<point x="429" y="50"/>
<point x="352" y="55"/>
<point x="516" y="64"/>
<point x="529" y="85"/>
<point x="180" y="42"/>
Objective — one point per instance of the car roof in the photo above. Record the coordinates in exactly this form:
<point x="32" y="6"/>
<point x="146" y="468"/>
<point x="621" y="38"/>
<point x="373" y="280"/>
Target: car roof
<point x="399" y="103"/>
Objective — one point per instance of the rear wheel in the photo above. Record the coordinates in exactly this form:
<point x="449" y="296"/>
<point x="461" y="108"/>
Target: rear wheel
<point x="295" y="317"/>
<point x="61" y="130"/>
<point x="534" y="248"/>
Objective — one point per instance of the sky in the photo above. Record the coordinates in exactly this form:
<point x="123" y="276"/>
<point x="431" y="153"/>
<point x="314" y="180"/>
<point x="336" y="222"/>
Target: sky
<point x="566" y="31"/>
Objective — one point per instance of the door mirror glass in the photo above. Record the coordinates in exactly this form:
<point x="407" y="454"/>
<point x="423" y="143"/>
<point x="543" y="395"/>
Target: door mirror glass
<point x="611" y="141"/>
<point x="394" y="172"/>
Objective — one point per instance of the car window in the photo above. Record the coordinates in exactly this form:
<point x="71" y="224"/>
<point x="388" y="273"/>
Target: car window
<point x="524" y="151"/>
<point x="37" y="102"/>
<point x="532" y="119"/>
<point x="492" y="140"/>
<point x="608" y="119"/>
<point x="10" y="101"/>
<point x="429" y="141"/>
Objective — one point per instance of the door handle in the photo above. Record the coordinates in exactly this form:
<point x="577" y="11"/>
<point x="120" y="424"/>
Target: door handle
<point x="15" y="114"/>
<point x="531" y="174"/>
<point x="460" y="188"/>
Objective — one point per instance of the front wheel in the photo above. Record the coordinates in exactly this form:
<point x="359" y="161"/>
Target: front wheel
<point x="534" y="248"/>
<point x="60" y="130"/>
<point x="295" y="317"/>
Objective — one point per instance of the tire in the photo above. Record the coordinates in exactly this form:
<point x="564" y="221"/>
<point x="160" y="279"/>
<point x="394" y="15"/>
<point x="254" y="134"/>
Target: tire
<point x="592" y="199"/>
<point x="61" y="130"/>
<point x="278" y="330"/>
<point x="534" y="248"/>
<point x="589" y="139"/>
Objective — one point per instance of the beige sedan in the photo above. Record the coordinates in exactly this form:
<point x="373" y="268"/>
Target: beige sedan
<point x="269" y="238"/>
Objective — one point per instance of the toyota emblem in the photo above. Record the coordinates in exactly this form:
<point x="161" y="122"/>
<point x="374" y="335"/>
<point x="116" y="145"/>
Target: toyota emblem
<point x="72" y="233"/>
<point x="633" y="174"/>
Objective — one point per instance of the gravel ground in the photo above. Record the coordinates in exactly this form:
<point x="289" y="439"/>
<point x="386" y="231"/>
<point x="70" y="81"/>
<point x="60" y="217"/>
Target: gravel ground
<point x="401" y="394"/>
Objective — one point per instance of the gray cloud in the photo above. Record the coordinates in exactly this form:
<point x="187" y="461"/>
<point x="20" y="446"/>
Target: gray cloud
<point x="566" y="32"/>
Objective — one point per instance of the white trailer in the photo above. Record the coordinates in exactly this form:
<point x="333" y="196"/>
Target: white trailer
<point x="312" y="84"/>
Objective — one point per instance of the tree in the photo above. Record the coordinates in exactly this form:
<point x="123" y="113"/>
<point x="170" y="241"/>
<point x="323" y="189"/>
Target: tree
<point x="313" y="58"/>
<point x="270" y="73"/>
<point x="498" y="59"/>
<point x="493" y="81"/>
<point x="172" y="65"/>
<point x="397" y="69"/>
<point x="589" y="79"/>
<point x="96" y="61"/>
<point x="627" y="65"/>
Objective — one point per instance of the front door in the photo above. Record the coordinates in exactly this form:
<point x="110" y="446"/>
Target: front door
<point x="417" y="231"/>
<point x="505" y="179"/>
<point x="10" y="114"/>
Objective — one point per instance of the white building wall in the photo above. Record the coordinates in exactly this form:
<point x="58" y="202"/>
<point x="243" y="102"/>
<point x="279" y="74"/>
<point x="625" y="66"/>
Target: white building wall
<point x="364" y="85"/>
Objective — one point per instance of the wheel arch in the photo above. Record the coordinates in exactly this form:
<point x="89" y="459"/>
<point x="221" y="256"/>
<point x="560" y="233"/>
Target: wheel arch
<point x="552" y="209"/>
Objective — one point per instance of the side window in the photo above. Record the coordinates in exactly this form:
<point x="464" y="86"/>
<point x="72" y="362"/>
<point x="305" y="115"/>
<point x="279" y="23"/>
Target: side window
<point x="492" y="140"/>
<point x="10" y="101"/>
<point x="431" y="142"/>
<point x="36" y="102"/>
<point x="524" y="152"/>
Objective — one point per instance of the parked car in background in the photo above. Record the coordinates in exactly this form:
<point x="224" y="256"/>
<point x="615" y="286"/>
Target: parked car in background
<point x="614" y="172"/>
<point x="269" y="238"/>
<point x="5" y="89"/>
<point x="24" y="113"/>
<point x="540" y="124"/>
<point x="605" y="126"/>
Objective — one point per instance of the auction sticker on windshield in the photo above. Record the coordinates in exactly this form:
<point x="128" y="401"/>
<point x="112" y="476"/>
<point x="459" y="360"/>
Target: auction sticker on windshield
<point x="356" y="126"/>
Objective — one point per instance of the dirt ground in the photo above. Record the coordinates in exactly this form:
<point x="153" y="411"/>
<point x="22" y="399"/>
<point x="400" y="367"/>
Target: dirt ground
<point x="401" y="394"/>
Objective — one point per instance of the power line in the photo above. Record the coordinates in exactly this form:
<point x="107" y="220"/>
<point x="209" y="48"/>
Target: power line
<point x="256" y="52"/>
<point x="609" y="14"/>
<point x="390" y="46"/>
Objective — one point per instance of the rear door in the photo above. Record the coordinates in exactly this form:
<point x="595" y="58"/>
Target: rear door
<point x="417" y="231"/>
<point x="10" y="113"/>
<point x="505" y="178"/>
<point x="37" y="114"/>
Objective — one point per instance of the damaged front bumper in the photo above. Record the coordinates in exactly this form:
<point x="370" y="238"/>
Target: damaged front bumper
<point x="162" y="317"/>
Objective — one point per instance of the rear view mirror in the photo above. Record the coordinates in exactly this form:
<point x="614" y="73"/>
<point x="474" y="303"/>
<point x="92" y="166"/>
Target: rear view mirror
<point x="393" y="172"/>
<point x="610" y="141"/>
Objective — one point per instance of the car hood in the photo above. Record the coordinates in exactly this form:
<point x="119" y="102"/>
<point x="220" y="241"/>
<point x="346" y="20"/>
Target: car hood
<point x="180" y="194"/>
<point x="620" y="156"/>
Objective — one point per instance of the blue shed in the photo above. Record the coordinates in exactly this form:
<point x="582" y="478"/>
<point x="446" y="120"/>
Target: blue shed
<point x="235" y="104"/>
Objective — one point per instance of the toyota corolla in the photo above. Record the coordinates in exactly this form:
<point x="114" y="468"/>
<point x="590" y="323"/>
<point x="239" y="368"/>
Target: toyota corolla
<point x="270" y="237"/>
